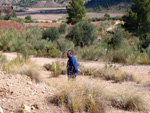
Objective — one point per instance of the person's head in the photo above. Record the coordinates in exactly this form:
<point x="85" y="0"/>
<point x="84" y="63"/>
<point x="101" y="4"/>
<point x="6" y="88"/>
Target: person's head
<point x="69" y="53"/>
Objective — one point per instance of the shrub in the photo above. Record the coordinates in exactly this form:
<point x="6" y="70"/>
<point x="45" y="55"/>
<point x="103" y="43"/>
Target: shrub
<point x="26" y="50"/>
<point x="51" y="34"/>
<point x="13" y="40"/>
<point x="82" y="33"/>
<point x="64" y="45"/>
<point x="27" y="21"/>
<point x="103" y="27"/>
<point x="28" y="17"/>
<point x="91" y="53"/>
<point x="52" y="51"/>
<point x="54" y="21"/>
<point x="14" y="14"/>
<point x="114" y="39"/>
<point x="62" y="28"/>
<point x="106" y="16"/>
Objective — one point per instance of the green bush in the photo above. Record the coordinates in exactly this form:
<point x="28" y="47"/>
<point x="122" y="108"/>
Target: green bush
<point x="104" y="26"/>
<point x="28" y="17"/>
<point x="51" y="34"/>
<point x="114" y="39"/>
<point x="82" y="33"/>
<point x="54" y="21"/>
<point x="14" y="14"/>
<point x="91" y="53"/>
<point x="106" y="16"/>
<point x="19" y="20"/>
<point x="64" y="45"/>
<point x="62" y="28"/>
<point x="27" y="21"/>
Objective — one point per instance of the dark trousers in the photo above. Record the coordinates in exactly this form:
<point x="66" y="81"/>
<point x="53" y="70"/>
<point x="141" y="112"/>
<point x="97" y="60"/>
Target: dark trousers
<point x="71" y="77"/>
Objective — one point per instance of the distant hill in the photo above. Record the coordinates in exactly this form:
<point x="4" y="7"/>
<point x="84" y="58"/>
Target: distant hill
<point x="5" y="2"/>
<point x="90" y="4"/>
<point x="108" y="4"/>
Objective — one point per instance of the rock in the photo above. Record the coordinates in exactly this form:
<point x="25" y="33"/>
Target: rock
<point x="35" y="106"/>
<point x="3" y="100"/>
<point x="29" y="83"/>
<point x="1" y="110"/>
<point x="25" y="108"/>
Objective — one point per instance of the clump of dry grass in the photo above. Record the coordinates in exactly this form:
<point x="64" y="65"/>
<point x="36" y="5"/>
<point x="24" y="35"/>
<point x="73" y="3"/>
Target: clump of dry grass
<point x="130" y="100"/>
<point x="24" y="67"/>
<point x="146" y="84"/>
<point x="80" y="97"/>
<point x="108" y="73"/>
<point x="87" y="71"/>
<point x="56" y="69"/>
<point x="3" y="61"/>
<point x="114" y="74"/>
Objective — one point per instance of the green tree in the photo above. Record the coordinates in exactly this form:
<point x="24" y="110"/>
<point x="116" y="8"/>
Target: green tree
<point x="76" y="11"/>
<point x="138" y="20"/>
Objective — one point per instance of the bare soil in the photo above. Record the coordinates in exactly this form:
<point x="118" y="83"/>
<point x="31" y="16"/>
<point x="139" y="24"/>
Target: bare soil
<point x="6" y="24"/>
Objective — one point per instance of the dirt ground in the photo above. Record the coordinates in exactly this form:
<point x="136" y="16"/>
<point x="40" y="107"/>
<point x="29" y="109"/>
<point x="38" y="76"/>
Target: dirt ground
<point x="16" y="90"/>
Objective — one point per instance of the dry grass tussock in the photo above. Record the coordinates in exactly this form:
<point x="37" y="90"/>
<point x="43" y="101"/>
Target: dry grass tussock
<point x="131" y="100"/>
<point x="94" y="97"/>
<point x="109" y="73"/>
<point x="80" y="96"/>
<point x="56" y="68"/>
<point x="24" y="67"/>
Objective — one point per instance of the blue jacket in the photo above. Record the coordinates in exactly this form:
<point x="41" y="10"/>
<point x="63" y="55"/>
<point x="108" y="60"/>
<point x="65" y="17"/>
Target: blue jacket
<point x="72" y="68"/>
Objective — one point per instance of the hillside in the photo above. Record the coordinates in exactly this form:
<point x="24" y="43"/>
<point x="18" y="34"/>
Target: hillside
<point x="2" y="2"/>
<point x="96" y="4"/>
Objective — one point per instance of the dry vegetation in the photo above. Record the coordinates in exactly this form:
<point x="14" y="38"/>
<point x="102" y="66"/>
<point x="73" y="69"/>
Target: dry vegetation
<point x="24" y="67"/>
<point x="109" y="72"/>
<point x="88" y="96"/>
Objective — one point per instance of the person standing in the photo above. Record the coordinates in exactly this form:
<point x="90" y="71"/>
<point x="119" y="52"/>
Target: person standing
<point x="72" y="68"/>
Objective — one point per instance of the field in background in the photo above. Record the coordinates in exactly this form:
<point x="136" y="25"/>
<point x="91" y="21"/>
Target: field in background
<point x="48" y="14"/>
